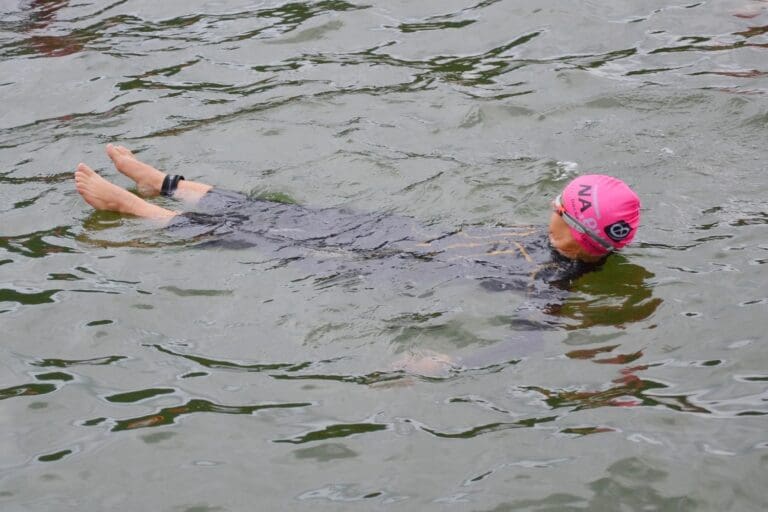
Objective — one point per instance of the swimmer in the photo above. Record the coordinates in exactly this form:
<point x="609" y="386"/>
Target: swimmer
<point x="594" y="216"/>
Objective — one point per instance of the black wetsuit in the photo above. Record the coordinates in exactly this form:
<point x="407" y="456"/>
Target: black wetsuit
<point x="336" y="240"/>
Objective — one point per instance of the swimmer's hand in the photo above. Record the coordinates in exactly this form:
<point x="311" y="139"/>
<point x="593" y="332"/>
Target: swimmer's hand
<point x="426" y="364"/>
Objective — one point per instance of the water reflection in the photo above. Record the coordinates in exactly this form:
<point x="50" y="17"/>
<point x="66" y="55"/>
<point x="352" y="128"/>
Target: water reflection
<point x="628" y="390"/>
<point x="41" y="14"/>
<point x="618" y="294"/>
<point x="631" y="483"/>
<point x="170" y="415"/>
<point x="36" y="244"/>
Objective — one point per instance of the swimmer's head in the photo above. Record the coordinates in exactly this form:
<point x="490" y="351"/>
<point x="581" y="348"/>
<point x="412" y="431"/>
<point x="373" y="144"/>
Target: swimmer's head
<point x="594" y="215"/>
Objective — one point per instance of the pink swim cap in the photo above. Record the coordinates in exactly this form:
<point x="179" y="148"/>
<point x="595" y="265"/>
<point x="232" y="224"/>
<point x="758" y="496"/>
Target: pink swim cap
<point x="607" y="206"/>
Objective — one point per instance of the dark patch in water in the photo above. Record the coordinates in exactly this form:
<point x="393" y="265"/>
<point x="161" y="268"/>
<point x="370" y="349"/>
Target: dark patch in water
<point x="169" y="415"/>
<point x="27" y="390"/>
<point x="336" y="431"/>
<point x="53" y="457"/>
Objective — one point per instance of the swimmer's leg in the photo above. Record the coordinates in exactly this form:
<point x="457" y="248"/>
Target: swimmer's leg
<point x="104" y="195"/>
<point x="148" y="179"/>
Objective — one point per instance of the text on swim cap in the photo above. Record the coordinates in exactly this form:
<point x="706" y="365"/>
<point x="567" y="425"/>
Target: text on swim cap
<point x="584" y="197"/>
<point x="585" y="190"/>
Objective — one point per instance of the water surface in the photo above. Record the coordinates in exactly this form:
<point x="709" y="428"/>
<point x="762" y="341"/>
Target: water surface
<point x="139" y="371"/>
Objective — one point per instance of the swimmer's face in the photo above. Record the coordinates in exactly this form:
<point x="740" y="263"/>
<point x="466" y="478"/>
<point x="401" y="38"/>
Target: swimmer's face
<point x="563" y="242"/>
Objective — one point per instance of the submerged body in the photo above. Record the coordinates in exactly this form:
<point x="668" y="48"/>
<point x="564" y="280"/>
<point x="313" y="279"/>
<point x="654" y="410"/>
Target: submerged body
<point x="501" y="258"/>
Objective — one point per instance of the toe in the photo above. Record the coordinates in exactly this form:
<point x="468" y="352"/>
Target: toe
<point x="124" y="151"/>
<point x="112" y="151"/>
<point x="85" y="170"/>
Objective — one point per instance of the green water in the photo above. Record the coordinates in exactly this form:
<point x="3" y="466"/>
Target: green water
<point x="139" y="372"/>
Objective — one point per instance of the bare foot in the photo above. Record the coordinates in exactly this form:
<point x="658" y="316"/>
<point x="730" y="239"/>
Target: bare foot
<point x="148" y="179"/>
<point x="104" y="195"/>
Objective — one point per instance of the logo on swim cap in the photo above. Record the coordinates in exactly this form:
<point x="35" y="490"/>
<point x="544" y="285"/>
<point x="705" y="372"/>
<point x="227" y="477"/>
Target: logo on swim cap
<point x="618" y="231"/>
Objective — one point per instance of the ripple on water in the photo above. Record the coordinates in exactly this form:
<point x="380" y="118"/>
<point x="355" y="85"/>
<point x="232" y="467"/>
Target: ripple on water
<point x="456" y="113"/>
<point x="171" y="415"/>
